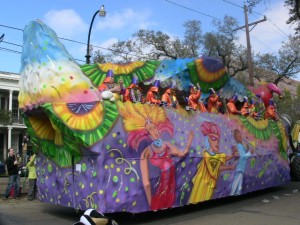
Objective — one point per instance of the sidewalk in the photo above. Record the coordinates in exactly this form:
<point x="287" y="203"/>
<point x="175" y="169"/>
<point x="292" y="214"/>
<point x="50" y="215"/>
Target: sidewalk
<point x="23" y="183"/>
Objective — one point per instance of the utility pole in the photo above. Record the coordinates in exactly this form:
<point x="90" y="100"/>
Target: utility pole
<point x="247" y="25"/>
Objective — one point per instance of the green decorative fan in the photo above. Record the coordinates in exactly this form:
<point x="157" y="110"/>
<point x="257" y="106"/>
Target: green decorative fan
<point x="143" y="70"/>
<point x="208" y="72"/>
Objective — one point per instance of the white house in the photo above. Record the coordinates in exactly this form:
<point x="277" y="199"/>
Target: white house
<point x="10" y="135"/>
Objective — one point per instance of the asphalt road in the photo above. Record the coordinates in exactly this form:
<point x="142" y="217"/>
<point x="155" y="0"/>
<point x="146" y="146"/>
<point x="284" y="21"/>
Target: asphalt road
<point x="275" y="206"/>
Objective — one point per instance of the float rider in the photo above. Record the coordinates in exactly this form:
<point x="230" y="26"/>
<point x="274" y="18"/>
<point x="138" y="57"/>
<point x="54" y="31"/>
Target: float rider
<point x="252" y="109"/>
<point x="231" y="107"/>
<point x="169" y="97"/>
<point x="153" y="94"/>
<point x="108" y="86"/>
<point x="194" y="99"/>
<point x="133" y="92"/>
<point x="271" y="112"/>
<point x="245" y="108"/>
<point x="213" y="101"/>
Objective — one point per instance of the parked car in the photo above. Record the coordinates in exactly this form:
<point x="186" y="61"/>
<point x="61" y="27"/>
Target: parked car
<point x="2" y="168"/>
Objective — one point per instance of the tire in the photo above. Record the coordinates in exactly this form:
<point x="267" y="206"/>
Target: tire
<point x="295" y="167"/>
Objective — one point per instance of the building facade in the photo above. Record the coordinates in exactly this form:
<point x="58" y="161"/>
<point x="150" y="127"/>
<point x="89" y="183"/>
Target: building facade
<point x="11" y="135"/>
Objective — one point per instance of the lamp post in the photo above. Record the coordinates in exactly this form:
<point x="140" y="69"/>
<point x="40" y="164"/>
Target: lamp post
<point x="102" y="13"/>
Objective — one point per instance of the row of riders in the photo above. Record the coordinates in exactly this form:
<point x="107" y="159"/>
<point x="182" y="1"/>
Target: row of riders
<point x="213" y="103"/>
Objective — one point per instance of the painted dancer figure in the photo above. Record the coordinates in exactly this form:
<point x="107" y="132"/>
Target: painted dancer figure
<point x="148" y="122"/>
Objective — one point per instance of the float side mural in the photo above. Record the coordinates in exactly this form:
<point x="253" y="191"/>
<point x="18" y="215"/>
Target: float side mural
<point x="97" y="151"/>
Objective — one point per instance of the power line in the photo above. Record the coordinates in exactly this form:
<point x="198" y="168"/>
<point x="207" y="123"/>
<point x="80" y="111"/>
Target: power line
<point x="196" y="11"/>
<point x="15" y="28"/>
<point x="17" y="52"/>
<point x="78" y="42"/>
<point x="10" y="50"/>
<point x="262" y="43"/>
<point x="234" y="4"/>
<point x="12" y="44"/>
<point x="285" y="35"/>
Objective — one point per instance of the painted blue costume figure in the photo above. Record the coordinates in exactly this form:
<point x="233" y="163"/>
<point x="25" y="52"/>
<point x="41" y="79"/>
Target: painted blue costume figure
<point x="236" y="188"/>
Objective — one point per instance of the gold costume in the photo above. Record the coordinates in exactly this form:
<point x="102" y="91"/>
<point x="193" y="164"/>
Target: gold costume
<point x="206" y="177"/>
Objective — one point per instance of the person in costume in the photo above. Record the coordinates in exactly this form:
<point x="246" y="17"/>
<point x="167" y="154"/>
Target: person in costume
<point x="244" y="155"/>
<point x="231" y="108"/>
<point x="108" y="86"/>
<point x="271" y="111"/>
<point x="193" y="100"/>
<point x="252" y="109"/>
<point x="245" y="108"/>
<point x="153" y="93"/>
<point x="133" y="92"/>
<point x="213" y="100"/>
<point x="169" y="97"/>
<point x="211" y="165"/>
<point x="149" y="122"/>
<point x="220" y="104"/>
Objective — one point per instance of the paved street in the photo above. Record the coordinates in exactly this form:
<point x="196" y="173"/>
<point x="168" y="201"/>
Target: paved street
<point x="274" y="206"/>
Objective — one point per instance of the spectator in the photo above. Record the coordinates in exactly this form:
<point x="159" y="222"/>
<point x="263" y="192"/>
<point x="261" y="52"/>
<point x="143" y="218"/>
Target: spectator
<point x="25" y="144"/>
<point x="31" y="177"/>
<point x="13" y="179"/>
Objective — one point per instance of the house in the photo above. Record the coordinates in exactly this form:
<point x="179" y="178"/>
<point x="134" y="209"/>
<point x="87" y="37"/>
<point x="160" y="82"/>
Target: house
<point x="11" y="135"/>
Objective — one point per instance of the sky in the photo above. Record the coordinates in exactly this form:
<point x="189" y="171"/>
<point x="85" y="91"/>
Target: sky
<point x="71" y="20"/>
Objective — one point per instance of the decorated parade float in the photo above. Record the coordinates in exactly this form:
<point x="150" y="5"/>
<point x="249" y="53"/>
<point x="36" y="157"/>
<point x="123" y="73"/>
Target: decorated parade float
<point x="103" y="142"/>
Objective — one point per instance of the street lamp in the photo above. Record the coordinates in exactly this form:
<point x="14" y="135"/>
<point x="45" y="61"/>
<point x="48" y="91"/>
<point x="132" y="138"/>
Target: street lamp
<point x="102" y="13"/>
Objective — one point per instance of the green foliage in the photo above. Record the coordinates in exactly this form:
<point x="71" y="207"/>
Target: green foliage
<point x="5" y="117"/>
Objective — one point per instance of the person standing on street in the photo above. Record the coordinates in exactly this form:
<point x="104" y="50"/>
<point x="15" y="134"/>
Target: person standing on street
<point x="13" y="176"/>
<point x="31" y="177"/>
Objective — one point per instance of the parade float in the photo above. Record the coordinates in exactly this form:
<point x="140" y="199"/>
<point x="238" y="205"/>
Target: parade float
<point x="95" y="150"/>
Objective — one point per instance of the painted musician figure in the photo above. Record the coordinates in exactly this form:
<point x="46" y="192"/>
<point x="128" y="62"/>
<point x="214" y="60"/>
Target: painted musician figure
<point x="231" y="107"/>
<point x="169" y="97"/>
<point x="133" y="92"/>
<point x="153" y="94"/>
<point x="194" y="99"/>
<point x="271" y="111"/>
<point x="213" y="101"/>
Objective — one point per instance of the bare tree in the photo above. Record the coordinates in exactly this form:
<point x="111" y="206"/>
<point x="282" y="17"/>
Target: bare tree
<point x="284" y="64"/>
<point x="222" y="44"/>
<point x="193" y="36"/>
